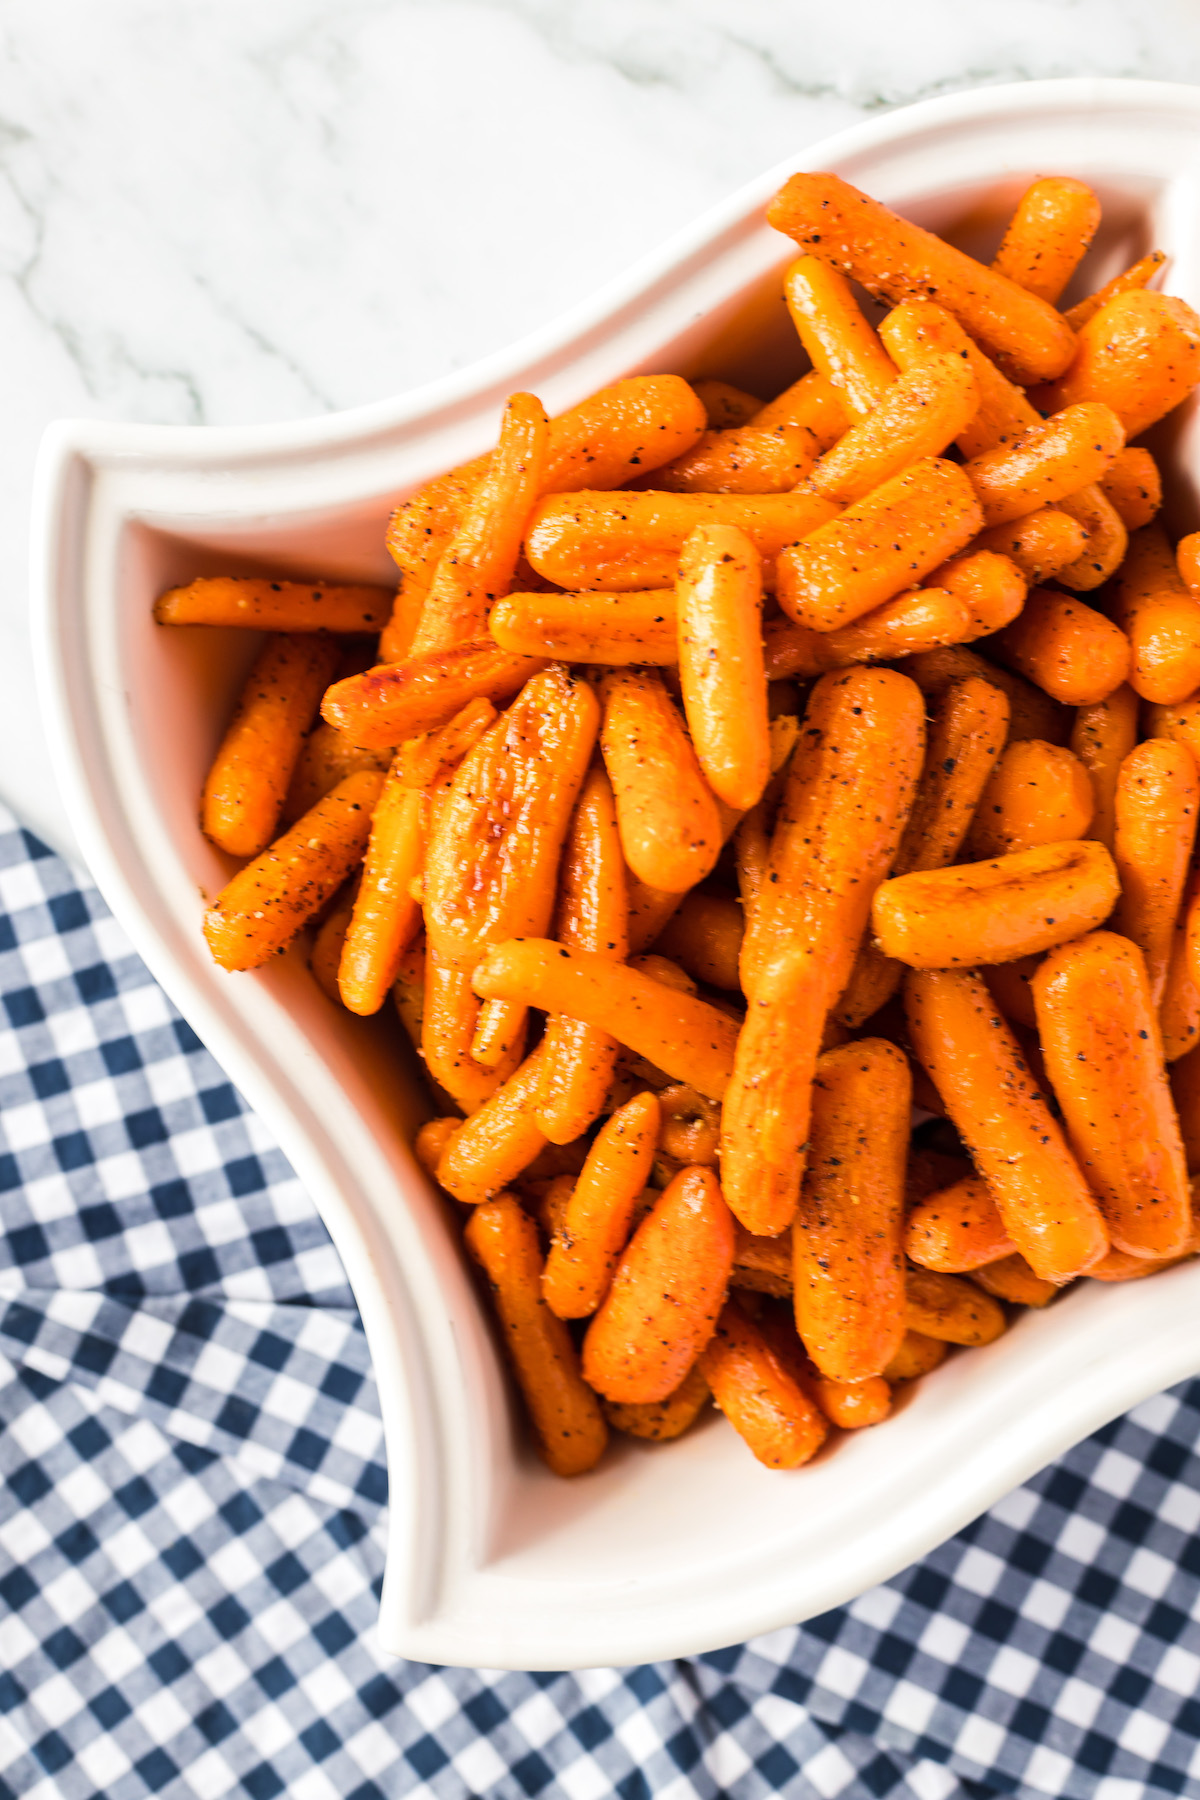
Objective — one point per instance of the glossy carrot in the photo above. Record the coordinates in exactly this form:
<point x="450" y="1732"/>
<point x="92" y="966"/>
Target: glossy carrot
<point x="1099" y="1036"/>
<point x="1136" y="276"/>
<point x="327" y="943"/>
<point x="326" y="757"/>
<point x="396" y="638"/>
<point x="1179" y="1009"/>
<point x="1102" y="737"/>
<point x="669" y="1286"/>
<point x="1031" y="713"/>
<point x="1012" y="1279"/>
<point x="685" y="1037"/>
<point x="1040" y="543"/>
<point x="885" y="543"/>
<point x="691" y="1125"/>
<point x="667" y="816"/>
<point x="768" y="1407"/>
<point x="1133" y="486"/>
<point x="917" y="416"/>
<point x="950" y="1308"/>
<point x="1185" y="1091"/>
<point x="1180" y="723"/>
<point x="259" y="912"/>
<point x="1008" y="984"/>
<point x="762" y="1265"/>
<point x="408" y="991"/>
<point x="1158" y="790"/>
<point x="719" y="609"/>
<point x="920" y="619"/>
<point x="957" y="1229"/>
<point x="592" y="915"/>
<point x="386" y="917"/>
<point x="899" y="261"/>
<point x="918" y="1355"/>
<point x="448" y="1025"/>
<point x="995" y="911"/>
<point x="290" y="606"/>
<point x="840" y="344"/>
<point x="725" y="406"/>
<point x="813" y="402"/>
<point x="244" y="789"/>
<point x="744" y="460"/>
<point x="628" y="540"/>
<point x="661" y="1420"/>
<point x="990" y="584"/>
<point x="847" y="1239"/>
<point x="1107" y="539"/>
<point x="589" y="626"/>
<point x="705" y="935"/>
<point x="397" y="701"/>
<point x="595" y="1225"/>
<point x="854" y="1405"/>
<point x="1047" y="237"/>
<point x="1070" y="650"/>
<point x="567" y="1421"/>
<point x="499" y="1140"/>
<point x="1187" y="561"/>
<point x="431" y="1140"/>
<point x="1139" y="354"/>
<point x="919" y="328"/>
<point x="1047" y="463"/>
<point x="1018" y="1148"/>
<point x="1036" y="794"/>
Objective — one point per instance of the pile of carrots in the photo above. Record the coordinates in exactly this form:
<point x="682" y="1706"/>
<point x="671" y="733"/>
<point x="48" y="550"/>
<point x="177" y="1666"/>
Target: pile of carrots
<point x="695" y="845"/>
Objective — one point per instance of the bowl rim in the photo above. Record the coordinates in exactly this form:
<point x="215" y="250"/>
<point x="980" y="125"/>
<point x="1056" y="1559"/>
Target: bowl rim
<point x="417" y="1618"/>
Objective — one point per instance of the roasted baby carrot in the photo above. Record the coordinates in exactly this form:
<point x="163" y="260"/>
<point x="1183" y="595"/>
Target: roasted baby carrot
<point x="477" y="565"/>
<point x="259" y="912"/>
<point x="990" y="584"/>
<point x="1017" y="1146"/>
<point x="762" y="1399"/>
<point x="669" y="1286"/>
<point x="919" y="415"/>
<point x="1107" y="539"/>
<point x="691" y="1125"/>
<point x="918" y="1355"/>
<point x="1037" y="793"/>
<point x="917" y="329"/>
<point x="921" y="619"/>
<point x="1185" y="1091"/>
<point x="995" y="911"/>
<point x="1099" y="1036"/>
<point x="386" y="917"/>
<point x="595" y="1225"/>
<point x="592" y="914"/>
<point x="618" y="541"/>
<point x="947" y="1307"/>
<point x="1179" y="1009"/>
<point x="840" y="343"/>
<point x="291" y="606"/>
<point x="661" y="1420"/>
<point x="245" y="787"/>
<point x="326" y="757"/>
<point x="566" y="1416"/>
<point x="1180" y="722"/>
<point x="326" y="952"/>
<point x="431" y="1140"/>
<point x="1155" y="813"/>
<point x="899" y="261"/>
<point x="725" y="406"/>
<point x="1031" y="713"/>
<point x="396" y="638"/>
<point x="854" y="1405"/>
<point x="667" y="816"/>
<point x="1053" y="225"/>
<point x="1133" y="486"/>
<point x="1070" y="650"/>
<point x="885" y="543"/>
<point x="1012" y="1279"/>
<point x="719" y="609"/>
<point x="706" y="937"/>
<point x="1046" y="463"/>
<point x="847" y="1239"/>
<point x="744" y="460"/>
<point x="397" y="701"/>
<point x="590" y="626"/>
<point x="813" y="402"/>
<point x="1041" y="543"/>
<point x="1140" y="354"/>
<point x="1136" y="276"/>
<point x="685" y="1037"/>
<point x="1187" y="561"/>
<point x="957" y="1229"/>
<point x="499" y="1140"/>
<point x="449" y="1021"/>
<point x="1008" y="984"/>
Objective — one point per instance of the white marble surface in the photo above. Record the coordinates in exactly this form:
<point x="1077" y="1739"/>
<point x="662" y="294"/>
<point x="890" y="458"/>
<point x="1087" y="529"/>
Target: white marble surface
<point x="213" y="213"/>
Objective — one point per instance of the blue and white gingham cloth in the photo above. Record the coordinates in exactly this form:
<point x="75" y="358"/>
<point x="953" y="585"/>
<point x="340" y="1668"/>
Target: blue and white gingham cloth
<point x="192" y="1497"/>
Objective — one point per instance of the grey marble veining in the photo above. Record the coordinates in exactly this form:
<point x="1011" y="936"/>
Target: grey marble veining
<point x="214" y="214"/>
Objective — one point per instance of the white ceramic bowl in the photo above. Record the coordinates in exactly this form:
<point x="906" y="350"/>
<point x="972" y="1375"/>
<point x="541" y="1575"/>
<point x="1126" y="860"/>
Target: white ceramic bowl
<point x="666" y="1550"/>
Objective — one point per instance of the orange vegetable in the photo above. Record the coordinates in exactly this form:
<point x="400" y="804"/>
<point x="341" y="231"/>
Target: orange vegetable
<point x="958" y="1229"/>
<point x="990" y="584"/>
<point x="1040" y="543"/>
<point x="918" y="416"/>
<point x="430" y="760"/>
<point x="589" y="626"/>
<point x="763" y="1401"/>
<point x="592" y="915"/>
<point x="1139" y="354"/>
<point x="660" y="1420"/>
<point x="1031" y="712"/>
<point x="847" y="1239"/>
<point x="1070" y="650"/>
<point x="245" y="787"/>
<point x="896" y="260"/>
<point x="885" y="543"/>
<point x="995" y="911"/>
<point x="326" y="757"/>
<point x="725" y="406"/>
<point x="917" y="1356"/>
<point x="499" y="1140"/>
<point x="669" y="1287"/>
<point x="397" y="701"/>
<point x="854" y="1405"/>
<point x="386" y="917"/>
<point x="566" y="1417"/>
<point x="1156" y="799"/>
<point x="839" y="342"/>
<point x="920" y="619"/>
<point x="596" y="1222"/>
<point x="1048" y="234"/>
<point x="1047" y="463"/>
<point x="431" y="1140"/>
<point x="743" y="460"/>
<point x="1133" y="486"/>
<point x="1013" y="1280"/>
<point x="626" y="540"/>
<point x="919" y="328"/>
<point x="719" y="594"/>
<point x="705" y="935"/>
<point x="691" y="1125"/>
<point x="947" y="1307"/>
<point x="327" y="944"/>
<point x="1099" y="1036"/>
<point x="1185" y="1091"/>
<point x="813" y="402"/>
<point x="1134" y="277"/>
<point x="685" y="1037"/>
<point x="1008" y="984"/>
<point x="1018" y="1148"/>
<point x="1102" y="737"/>
<point x="275" y="605"/>
<point x="1036" y="794"/>
<point x="1179" y="1009"/>
<point x="1107" y="539"/>
<point x="668" y="820"/>
<point x="259" y="912"/>
<point x="448" y="1026"/>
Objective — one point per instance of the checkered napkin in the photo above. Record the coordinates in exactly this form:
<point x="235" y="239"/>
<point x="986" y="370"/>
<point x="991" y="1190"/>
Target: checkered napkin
<point x="192" y="1496"/>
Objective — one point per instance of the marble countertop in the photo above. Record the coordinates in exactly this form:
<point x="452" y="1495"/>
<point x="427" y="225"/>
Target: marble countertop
<point x="213" y="214"/>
